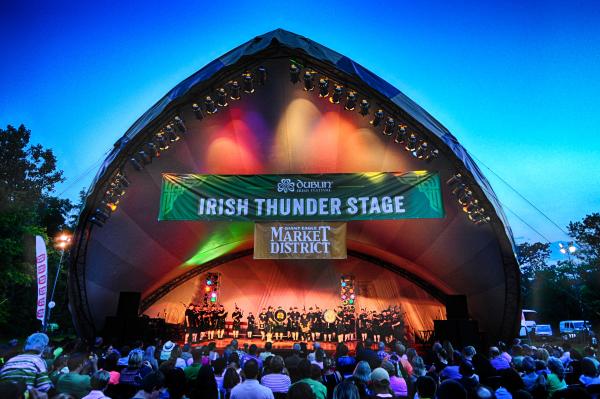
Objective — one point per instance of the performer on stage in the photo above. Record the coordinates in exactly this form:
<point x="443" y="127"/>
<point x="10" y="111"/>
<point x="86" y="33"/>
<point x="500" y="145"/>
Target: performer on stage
<point x="251" y="325"/>
<point x="305" y="325"/>
<point x="221" y="316"/>
<point x="363" y="324"/>
<point x="280" y="323"/>
<point x="270" y="324"/>
<point x="340" y="323"/>
<point x="262" y="322"/>
<point x="190" y="322"/>
<point x="295" y="324"/>
<point x="237" y="321"/>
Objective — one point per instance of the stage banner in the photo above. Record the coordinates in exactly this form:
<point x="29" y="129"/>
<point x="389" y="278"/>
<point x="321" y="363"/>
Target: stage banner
<point x="300" y="240"/>
<point x="306" y="197"/>
<point x="41" y="261"/>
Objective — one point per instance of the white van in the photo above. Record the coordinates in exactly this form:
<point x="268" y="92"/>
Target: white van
<point x="528" y="322"/>
<point x="573" y="326"/>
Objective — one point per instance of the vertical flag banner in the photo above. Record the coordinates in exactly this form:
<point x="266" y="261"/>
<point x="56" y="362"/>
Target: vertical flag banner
<point x="41" y="260"/>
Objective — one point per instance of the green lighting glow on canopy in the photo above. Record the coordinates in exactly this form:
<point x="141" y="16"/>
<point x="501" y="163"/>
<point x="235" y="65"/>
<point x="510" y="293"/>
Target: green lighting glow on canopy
<point x="223" y="240"/>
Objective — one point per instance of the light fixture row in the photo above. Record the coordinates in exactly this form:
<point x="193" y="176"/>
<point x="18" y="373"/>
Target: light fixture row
<point x="467" y="201"/>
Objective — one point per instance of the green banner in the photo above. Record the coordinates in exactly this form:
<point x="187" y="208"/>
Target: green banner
<point x="302" y="197"/>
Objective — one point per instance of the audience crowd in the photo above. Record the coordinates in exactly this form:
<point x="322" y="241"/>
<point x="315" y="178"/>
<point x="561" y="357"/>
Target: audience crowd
<point x="161" y="370"/>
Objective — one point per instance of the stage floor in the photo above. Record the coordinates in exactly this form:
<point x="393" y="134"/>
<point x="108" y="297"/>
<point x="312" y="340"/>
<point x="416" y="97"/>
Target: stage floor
<point x="329" y="347"/>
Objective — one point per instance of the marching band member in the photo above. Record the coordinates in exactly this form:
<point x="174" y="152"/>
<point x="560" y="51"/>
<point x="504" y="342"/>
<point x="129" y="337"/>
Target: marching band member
<point x="237" y="321"/>
<point x="262" y="322"/>
<point x="251" y="325"/>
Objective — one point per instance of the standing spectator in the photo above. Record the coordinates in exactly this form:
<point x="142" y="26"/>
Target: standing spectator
<point x="205" y="385"/>
<point x="98" y="383"/>
<point x="252" y="354"/>
<point x="191" y="372"/>
<point x="277" y="381"/>
<point x="29" y="367"/>
<point x="134" y="373"/>
<point x="250" y="388"/>
<point x="267" y="352"/>
<point x="175" y="383"/>
<point x="331" y="377"/>
<point x="304" y="372"/>
<point x="397" y="383"/>
<point x="319" y="356"/>
<point x="231" y="379"/>
<point x="312" y="356"/>
<point x="75" y="382"/>
<point x="589" y="372"/>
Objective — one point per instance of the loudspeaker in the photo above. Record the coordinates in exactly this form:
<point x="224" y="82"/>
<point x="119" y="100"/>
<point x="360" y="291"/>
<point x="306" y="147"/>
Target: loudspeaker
<point x="456" y="307"/>
<point x="459" y="332"/>
<point x="129" y="304"/>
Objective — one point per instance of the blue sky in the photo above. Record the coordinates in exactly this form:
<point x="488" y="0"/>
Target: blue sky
<point x="517" y="84"/>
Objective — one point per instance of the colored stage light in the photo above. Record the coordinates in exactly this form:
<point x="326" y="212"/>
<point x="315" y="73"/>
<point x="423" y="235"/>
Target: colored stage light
<point x="213" y="299"/>
<point x="336" y="97"/>
<point x="309" y="83"/>
<point x="178" y="122"/>
<point x="390" y="126"/>
<point x="364" y="107"/>
<point x="162" y="143"/>
<point x="378" y="117"/>
<point x="471" y="207"/>
<point x="171" y="133"/>
<point x="222" y="97"/>
<point x="136" y="164"/>
<point x="294" y="73"/>
<point x="153" y="150"/>
<point x="422" y="150"/>
<point x="208" y="282"/>
<point x="343" y="283"/>
<point x="197" y="111"/>
<point x="213" y="295"/>
<point x="323" y="87"/>
<point x="350" y="101"/>
<point x="210" y="106"/>
<point x="400" y="135"/>
<point x="343" y="296"/>
<point x="454" y="179"/>
<point x="352" y="296"/>
<point x="235" y="90"/>
<point x="411" y="142"/>
<point x="207" y="289"/>
<point x="351" y="301"/>
<point x="262" y="75"/>
<point x="248" y="82"/>
<point x="112" y="205"/>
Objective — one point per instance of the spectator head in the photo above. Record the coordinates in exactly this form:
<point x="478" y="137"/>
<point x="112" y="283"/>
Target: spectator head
<point x="205" y="385"/>
<point x="316" y="345"/>
<point x="176" y="383"/>
<point x="588" y="368"/>
<point x="64" y="396"/>
<point x="419" y="368"/>
<point x="300" y="390"/>
<point x="482" y="392"/>
<point x="466" y="369"/>
<point x="268" y="346"/>
<point x="556" y="367"/>
<point x="153" y="382"/>
<point x="389" y="367"/>
<point x="296" y="349"/>
<point x="521" y="394"/>
<point x="253" y="350"/>
<point x="231" y="378"/>
<point x="346" y="390"/>
<point x="99" y="380"/>
<point x="328" y="364"/>
<point x="234" y="344"/>
<point x="219" y="365"/>
<point x="315" y="372"/>
<point x="12" y="390"/>
<point x="234" y="358"/>
<point x="517" y="350"/>
<point x="342" y="350"/>
<point x="528" y="364"/>
<point x="450" y="389"/>
<point x="251" y="369"/>
<point x="186" y="348"/>
<point x="540" y="365"/>
<point x="542" y="354"/>
<point x="511" y="380"/>
<point x="276" y="364"/>
<point x="380" y="380"/>
<point x="381" y="346"/>
<point x="590" y="351"/>
<point x="36" y="342"/>
<point x="76" y="361"/>
<point x="197" y="355"/>
<point x="362" y="372"/>
<point x="411" y="353"/>
<point x="135" y="360"/>
<point x="304" y="368"/>
<point x="426" y="387"/>
<point x="368" y="343"/>
<point x="319" y="355"/>
<point x="494" y="352"/>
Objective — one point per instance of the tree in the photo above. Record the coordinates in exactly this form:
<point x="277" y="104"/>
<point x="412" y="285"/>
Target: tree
<point x="587" y="236"/>
<point x="28" y="176"/>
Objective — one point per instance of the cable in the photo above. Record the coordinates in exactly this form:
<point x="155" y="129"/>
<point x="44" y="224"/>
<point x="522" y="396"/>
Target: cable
<point x="519" y="194"/>
<point x="90" y="168"/>
<point x="523" y="220"/>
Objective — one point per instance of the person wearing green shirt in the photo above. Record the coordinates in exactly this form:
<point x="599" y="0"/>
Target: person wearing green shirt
<point x="74" y="382"/>
<point x="191" y="371"/>
<point x="304" y="372"/>
<point x="556" y="378"/>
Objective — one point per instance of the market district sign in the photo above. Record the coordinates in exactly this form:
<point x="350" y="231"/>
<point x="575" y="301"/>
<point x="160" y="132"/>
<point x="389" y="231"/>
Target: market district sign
<point x="303" y="197"/>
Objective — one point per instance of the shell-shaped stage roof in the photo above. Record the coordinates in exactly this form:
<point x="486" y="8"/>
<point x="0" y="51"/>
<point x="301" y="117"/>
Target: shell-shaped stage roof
<point x="282" y="128"/>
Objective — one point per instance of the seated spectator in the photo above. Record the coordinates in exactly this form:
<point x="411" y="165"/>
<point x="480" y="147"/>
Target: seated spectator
<point x="380" y="383"/>
<point x="301" y="390"/>
<point x="250" y="388"/>
<point x="292" y="361"/>
<point x="542" y="354"/>
<point x="397" y="383"/>
<point x="401" y="351"/>
<point x="590" y="353"/>
<point x="267" y="352"/>
<point x="381" y="352"/>
<point x="498" y="361"/>
<point x="191" y="372"/>
<point x="531" y="380"/>
<point x="175" y="383"/>
<point x="304" y="372"/>
<point x="346" y="390"/>
<point x="231" y="379"/>
<point x="12" y="390"/>
<point x="331" y="378"/>
<point x="319" y="356"/>
<point x="252" y="354"/>
<point x="29" y="368"/>
<point x="469" y="380"/>
<point x="175" y="359"/>
<point x="315" y="373"/>
<point x="451" y="389"/>
<point x="517" y="356"/>
<point x="344" y="363"/>
<point x="468" y="353"/>
<point x="125" y="349"/>
<point x="110" y="365"/>
<point x="511" y="381"/>
<point x="151" y="386"/>
<point x="556" y="378"/>
<point x="150" y="357"/>
<point x="276" y="380"/>
<point x="589" y="372"/>
<point x="451" y="371"/>
<point x="367" y="354"/>
<point x="75" y="382"/>
<point x="503" y="348"/>
<point x="59" y="367"/>
<point x="186" y="354"/>
<point x="426" y="388"/>
<point x="312" y="356"/>
<point x="135" y="371"/>
<point x="98" y="383"/>
<point x="165" y="353"/>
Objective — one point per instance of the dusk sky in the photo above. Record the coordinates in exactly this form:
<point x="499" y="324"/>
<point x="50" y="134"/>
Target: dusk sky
<point x="517" y="84"/>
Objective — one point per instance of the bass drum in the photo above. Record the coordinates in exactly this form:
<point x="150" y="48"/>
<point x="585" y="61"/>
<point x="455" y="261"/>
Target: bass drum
<point x="280" y="315"/>
<point x="329" y="316"/>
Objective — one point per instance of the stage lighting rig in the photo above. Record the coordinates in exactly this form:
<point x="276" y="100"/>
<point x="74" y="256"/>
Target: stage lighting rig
<point x="433" y="154"/>
<point x="222" y="97"/>
<point x="350" y="101"/>
<point x="171" y="134"/>
<point x="347" y="291"/>
<point x="309" y="84"/>
<point x="294" y="73"/>
<point x="162" y="142"/>
<point x="400" y="135"/>
<point x="153" y="150"/>
<point x="456" y="178"/>
<point x="422" y="150"/>
<point x="389" y="127"/>
<point x="411" y="142"/>
<point x="212" y="284"/>
<point x="145" y="157"/>
<point x="197" y="111"/>
<point x="210" y="106"/>
<point x="235" y="90"/>
<point x="377" y="118"/>
<point x="262" y="75"/>
<point x="178" y="122"/>
<point x="136" y="164"/>
<point x="323" y="87"/>
<point x="472" y="206"/>
<point x="364" y="107"/>
<point x="248" y="82"/>
<point x="336" y="97"/>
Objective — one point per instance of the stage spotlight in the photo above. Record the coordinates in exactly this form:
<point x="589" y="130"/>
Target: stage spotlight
<point x="235" y="90"/>
<point x="162" y="142"/>
<point x="364" y="107"/>
<point x="136" y="164"/>
<point x="336" y="97"/>
<point x="465" y="197"/>
<point x="207" y="289"/>
<point x="145" y="157"/>
<point x="222" y="97"/>
<point x="95" y="221"/>
<point x="210" y="105"/>
<point x="343" y="284"/>
<point x="350" y="101"/>
<point x="197" y="111"/>
<point x="153" y="150"/>
<point x="101" y="215"/>
<point x="294" y="73"/>
<point x="262" y="75"/>
<point x="433" y="154"/>
<point x="323" y="87"/>
<point x="178" y="121"/>
<point x="400" y="134"/>
<point x="471" y="207"/>
<point x="411" y="143"/>
<point x="309" y="83"/>
<point x="389" y="127"/>
<point x="171" y="133"/>
<point x="422" y="151"/>
<point x="248" y="82"/>
<point x="377" y="118"/>
<point x="456" y="178"/>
